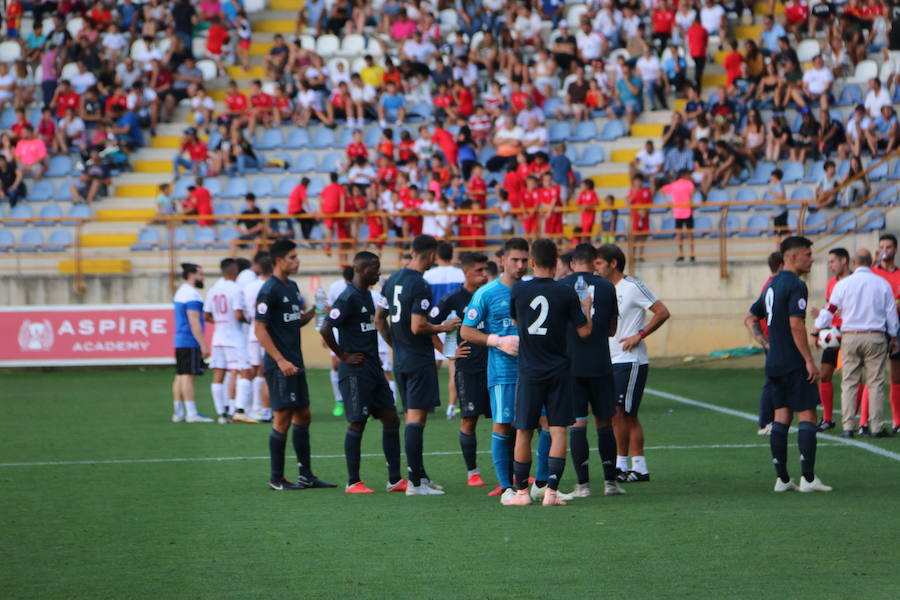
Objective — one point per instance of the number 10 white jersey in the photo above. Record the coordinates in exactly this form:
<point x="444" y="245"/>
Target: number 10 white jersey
<point x="223" y="299"/>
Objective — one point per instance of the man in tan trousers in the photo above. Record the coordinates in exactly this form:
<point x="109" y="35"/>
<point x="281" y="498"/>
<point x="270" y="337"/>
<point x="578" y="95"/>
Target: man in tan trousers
<point x="869" y="330"/>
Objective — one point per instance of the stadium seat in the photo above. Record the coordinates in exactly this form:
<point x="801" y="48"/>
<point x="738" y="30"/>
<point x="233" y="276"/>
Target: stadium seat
<point x="560" y="132"/>
<point x="486" y="154"/>
<point x="222" y="207"/>
<point x="801" y="193"/>
<point x="850" y="95"/>
<point x="30" y="241"/>
<point x="180" y="189"/>
<point x="41" y="191"/>
<point x="879" y="172"/>
<point x="874" y="221"/>
<point x="20" y="211"/>
<point x="270" y="140"/>
<point x="697" y="198"/>
<point x="449" y="20"/>
<point x="345" y="136"/>
<point x="815" y="172"/>
<point x="592" y="155"/>
<point x="419" y="111"/>
<point x="236" y="188"/>
<point x="732" y="224"/>
<point x="331" y="162"/>
<point x="178" y="238"/>
<point x="756" y="226"/>
<point x="225" y="236"/>
<point x="843" y="168"/>
<point x="895" y="171"/>
<point x="703" y="226"/>
<point x="327" y="45"/>
<point x="262" y="187"/>
<point x="203" y="237"/>
<point x="844" y="223"/>
<point x="762" y="173"/>
<point x="60" y="166"/>
<point x="371" y="135"/>
<point x="744" y="195"/>
<point x="77" y="213"/>
<point x="793" y="172"/>
<point x="807" y="50"/>
<point x="49" y="211"/>
<point x="213" y="185"/>
<point x="305" y="163"/>
<point x="815" y="223"/>
<point x="10" y="51"/>
<point x="308" y="42"/>
<point x="551" y="107"/>
<point x="323" y="138"/>
<point x="59" y="240"/>
<point x="285" y="186"/>
<point x="585" y="131"/>
<point x="658" y="199"/>
<point x="352" y="45"/>
<point x="316" y="185"/>
<point x="716" y="195"/>
<point x="148" y="238"/>
<point x="666" y="229"/>
<point x="886" y="197"/>
<point x="766" y="197"/>
<point x="63" y="193"/>
<point x="74" y="26"/>
<point x="621" y="226"/>
<point x="612" y="130"/>
<point x="7" y="239"/>
<point x="865" y="70"/>
<point x="297" y="138"/>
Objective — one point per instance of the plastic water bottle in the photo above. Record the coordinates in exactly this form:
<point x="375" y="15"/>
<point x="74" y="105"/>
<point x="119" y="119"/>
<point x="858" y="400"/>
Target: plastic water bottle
<point x="450" y="338"/>
<point x="581" y="288"/>
<point x="321" y="302"/>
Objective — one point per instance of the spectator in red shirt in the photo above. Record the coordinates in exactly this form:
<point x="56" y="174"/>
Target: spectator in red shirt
<point x="732" y="63"/>
<point x="663" y="22"/>
<point x="386" y="143"/>
<point x="333" y="202"/>
<point x="375" y="222"/>
<point x="412" y="202"/>
<point x="477" y="188"/>
<point x="588" y="202"/>
<point x="297" y="206"/>
<point x="235" y="107"/>
<point x="551" y="205"/>
<point x="406" y="148"/>
<point x="796" y="13"/>
<point x="530" y="204"/>
<point x="356" y="148"/>
<point x="192" y="155"/>
<point x="698" y="38"/>
<point x="47" y="127"/>
<point x="216" y="38"/>
<point x="19" y="125"/>
<point x="262" y="107"/>
<point x="200" y="198"/>
<point x="640" y="218"/>
<point x="65" y="97"/>
<point x="514" y="184"/>
<point x="386" y="172"/>
<point x="118" y="97"/>
<point x="517" y="98"/>
<point x="443" y="139"/>
<point x="463" y="103"/>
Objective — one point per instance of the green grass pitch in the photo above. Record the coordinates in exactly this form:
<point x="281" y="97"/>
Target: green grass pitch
<point x="707" y="526"/>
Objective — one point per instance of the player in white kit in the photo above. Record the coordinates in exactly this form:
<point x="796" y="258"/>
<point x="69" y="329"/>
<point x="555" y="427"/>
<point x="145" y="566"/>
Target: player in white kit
<point x="443" y="278"/>
<point x="260" y="406"/>
<point x="224" y="307"/>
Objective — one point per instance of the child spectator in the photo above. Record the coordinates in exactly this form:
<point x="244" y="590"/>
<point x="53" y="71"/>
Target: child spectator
<point x="551" y="205"/>
<point x="680" y="193"/>
<point x="638" y="196"/>
<point x="608" y="221"/>
<point x="587" y="199"/>
<point x="477" y="188"/>
<point x="376" y="223"/>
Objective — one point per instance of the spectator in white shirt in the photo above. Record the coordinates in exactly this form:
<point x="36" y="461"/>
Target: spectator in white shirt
<point x="877" y="97"/>
<point x="83" y="79"/>
<point x="817" y="83"/>
<point x="869" y="334"/>
<point x="857" y="129"/>
<point x="650" y="71"/>
<point x="608" y="22"/>
<point x="590" y="44"/>
<point x="536" y="139"/>
<point x="712" y="17"/>
<point x="649" y="163"/>
<point x="362" y="100"/>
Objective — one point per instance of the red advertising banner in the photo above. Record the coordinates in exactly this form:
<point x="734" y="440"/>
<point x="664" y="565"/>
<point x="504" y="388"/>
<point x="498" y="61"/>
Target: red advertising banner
<point x="120" y="334"/>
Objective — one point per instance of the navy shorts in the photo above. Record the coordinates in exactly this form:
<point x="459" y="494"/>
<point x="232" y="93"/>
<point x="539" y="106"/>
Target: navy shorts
<point x="598" y="393"/>
<point x="830" y="356"/>
<point x="472" y="394"/>
<point x="287" y="392"/>
<point x="630" y="379"/>
<point x="418" y="390"/>
<point x="793" y="391"/>
<point x="366" y="392"/>
<point x="555" y="394"/>
<point x="188" y="361"/>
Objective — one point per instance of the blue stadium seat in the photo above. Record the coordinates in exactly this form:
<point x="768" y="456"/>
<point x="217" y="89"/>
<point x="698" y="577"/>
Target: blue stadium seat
<point x="180" y="189"/>
<point x="77" y="212"/>
<point x="697" y="198"/>
<point x="30" y="241"/>
<point x="203" y="237"/>
<point x="658" y="199"/>
<point x="879" y="172"/>
<point x="560" y="132"/>
<point x="270" y="140"/>
<point x="215" y="140"/>
<point x="213" y="185"/>
<point x="486" y="154"/>
<point x="703" y="226"/>
<point x="316" y="185"/>
<point x="177" y="239"/>
<point x="344" y="137"/>
<point x="765" y="207"/>
<point x="60" y="166"/>
<point x="757" y="225"/>
<point x="275" y="170"/>
<point x="551" y="106"/>
<point x="802" y="193"/>
<point x="262" y="187"/>
<point x="420" y="111"/>
<point x="225" y="236"/>
<point x="815" y="223"/>
<point x="732" y="224"/>
<point x="20" y="211"/>
<point x="41" y="191"/>
<point x="874" y="221"/>
<point x="370" y="137"/>
<point x="843" y="168"/>
<point x="331" y="162"/>
<point x="886" y="197"/>
<point x="63" y="193"/>
<point x="280" y="206"/>
<point x="148" y="239"/>
<point x="571" y="153"/>
<point x="296" y="139"/>
<point x="744" y="195"/>
<point x="612" y="130"/>
<point x="49" y="211"/>
<point x="7" y="118"/>
<point x="323" y="138"/>
<point x="666" y="229"/>
<point x="585" y="131"/>
<point x="895" y="171"/>
<point x="716" y="195"/>
<point x="844" y="223"/>
<point x="236" y="188"/>
<point x="792" y="221"/>
<point x="850" y="95"/>
<point x="621" y="227"/>
<point x="285" y="186"/>
<point x="593" y="155"/>
<point x="762" y="173"/>
<point x="7" y="239"/>
<point x="793" y="172"/>
<point x="222" y="207"/>
<point x="59" y="240"/>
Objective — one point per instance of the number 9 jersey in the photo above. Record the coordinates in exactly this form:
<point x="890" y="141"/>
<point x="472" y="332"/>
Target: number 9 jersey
<point x="784" y="297"/>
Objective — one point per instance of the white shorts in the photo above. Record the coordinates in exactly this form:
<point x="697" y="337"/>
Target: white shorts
<point x="254" y="353"/>
<point x="228" y="358"/>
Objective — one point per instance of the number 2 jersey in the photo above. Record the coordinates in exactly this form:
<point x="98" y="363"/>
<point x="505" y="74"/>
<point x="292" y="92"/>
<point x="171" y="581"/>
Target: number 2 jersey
<point x="223" y="299"/>
<point x="783" y="298"/>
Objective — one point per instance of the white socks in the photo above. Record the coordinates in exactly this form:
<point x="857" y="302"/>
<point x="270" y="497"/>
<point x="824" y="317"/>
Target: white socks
<point x="622" y="463"/>
<point x="218" y="396"/>
<point x="334" y="386"/>
<point x="178" y="409"/>
<point x="639" y="465"/>
<point x="244" y="394"/>
<point x="229" y="378"/>
<point x="258" y="383"/>
<point x="191" y="408"/>
<point x="393" y="385"/>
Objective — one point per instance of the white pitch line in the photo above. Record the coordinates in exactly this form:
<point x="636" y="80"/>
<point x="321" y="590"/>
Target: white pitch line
<point x="132" y="461"/>
<point x="743" y="415"/>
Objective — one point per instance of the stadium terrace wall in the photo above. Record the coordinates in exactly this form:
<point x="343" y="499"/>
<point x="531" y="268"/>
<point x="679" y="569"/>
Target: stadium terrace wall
<point x="707" y="312"/>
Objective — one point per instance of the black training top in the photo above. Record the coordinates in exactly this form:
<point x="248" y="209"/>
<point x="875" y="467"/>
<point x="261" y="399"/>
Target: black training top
<point x="590" y="356"/>
<point x="408" y="293"/>
<point x="784" y="297"/>
<point x="279" y="305"/>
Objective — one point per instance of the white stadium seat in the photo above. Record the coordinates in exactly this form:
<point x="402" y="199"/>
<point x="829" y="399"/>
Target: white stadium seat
<point x="208" y="68"/>
<point x="327" y="45"/>
<point x="10" y="51"/>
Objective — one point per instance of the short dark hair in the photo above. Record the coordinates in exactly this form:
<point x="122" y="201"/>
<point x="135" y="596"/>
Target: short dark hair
<point x="347" y="273"/>
<point x="264" y="263"/>
<point x="840" y="253"/>
<point x="467" y="259"/>
<point x="361" y="259"/>
<point x="779" y="175"/>
<point x="493" y="269"/>
<point x="890" y="237"/>
<point x="584" y="254"/>
<point x="243" y="263"/>
<point x="776" y="261"/>
<point x="445" y="251"/>
<point x="515" y="243"/>
<point x="227" y="264"/>
<point x="280" y="249"/>
<point x="188" y="269"/>
<point x="422" y="244"/>
<point x="611" y="252"/>
<point x="544" y="253"/>
<point x="794" y="241"/>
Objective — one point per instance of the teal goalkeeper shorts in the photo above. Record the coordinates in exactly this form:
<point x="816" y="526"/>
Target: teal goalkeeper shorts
<point x="503" y="402"/>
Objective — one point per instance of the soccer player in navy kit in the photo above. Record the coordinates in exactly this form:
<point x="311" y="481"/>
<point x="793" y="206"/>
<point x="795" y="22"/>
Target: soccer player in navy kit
<point x="470" y="373"/>
<point x="279" y="317"/>
<point x="790" y="367"/>
<point x="404" y="325"/>
<point x="364" y="388"/>
<point x="544" y="310"/>
<point x="592" y="374"/>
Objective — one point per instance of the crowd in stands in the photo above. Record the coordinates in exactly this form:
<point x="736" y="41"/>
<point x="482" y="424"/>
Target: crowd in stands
<point x="467" y="110"/>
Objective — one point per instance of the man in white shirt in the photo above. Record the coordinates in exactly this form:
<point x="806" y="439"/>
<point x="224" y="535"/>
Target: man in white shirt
<point x="443" y="278"/>
<point x="629" y="359"/>
<point x="857" y="131"/>
<point x="648" y="162"/>
<point x="536" y="138"/>
<point x="83" y="79"/>
<point x="650" y="71"/>
<point x="590" y="44"/>
<point x="877" y="97"/>
<point x="817" y="83"/>
<point x="260" y="409"/>
<point x="869" y="334"/>
<point x="224" y="307"/>
<point x="712" y="17"/>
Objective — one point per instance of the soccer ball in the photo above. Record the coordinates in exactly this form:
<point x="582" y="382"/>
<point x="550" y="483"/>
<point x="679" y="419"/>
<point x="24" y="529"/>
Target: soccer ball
<point x="830" y="338"/>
